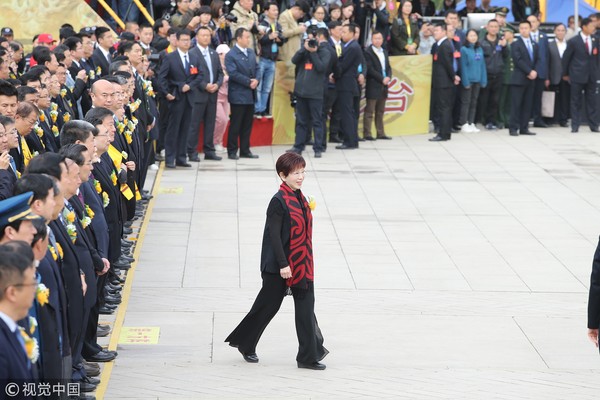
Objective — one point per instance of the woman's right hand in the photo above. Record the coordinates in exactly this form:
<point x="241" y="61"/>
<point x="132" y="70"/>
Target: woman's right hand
<point x="286" y="273"/>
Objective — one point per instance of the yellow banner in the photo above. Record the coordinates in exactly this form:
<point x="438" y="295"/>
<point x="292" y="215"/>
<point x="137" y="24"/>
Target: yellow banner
<point x="407" y="107"/>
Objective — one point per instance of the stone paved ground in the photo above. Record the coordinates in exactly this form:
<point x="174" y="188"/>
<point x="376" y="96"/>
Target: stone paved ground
<point x="454" y="270"/>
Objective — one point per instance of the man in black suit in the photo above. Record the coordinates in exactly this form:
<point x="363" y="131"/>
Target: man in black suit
<point x="17" y="291"/>
<point x="102" y="56"/>
<point x="179" y="76"/>
<point x="379" y="74"/>
<point x="443" y="81"/>
<point x="240" y="64"/>
<point x="555" y="82"/>
<point x="580" y="67"/>
<point x="205" y="97"/>
<point x="8" y="175"/>
<point x="524" y="52"/>
<point x="347" y="87"/>
<point x="541" y="68"/>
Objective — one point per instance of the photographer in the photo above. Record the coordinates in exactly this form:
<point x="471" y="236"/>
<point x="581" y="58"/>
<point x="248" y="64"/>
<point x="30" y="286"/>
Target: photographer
<point x="272" y="38"/>
<point x="221" y="19"/>
<point x="313" y="65"/>
<point x="246" y="18"/>
<point x="185" y="17"/>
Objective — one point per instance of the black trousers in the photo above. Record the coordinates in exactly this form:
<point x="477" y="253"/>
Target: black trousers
<point x="310" y="340"/>
<point x="203" y="112"/>
<point x="240" y="128"/>
<point x="178" y="127"/>
<point x="348" y="121"/>
<point x="489" y="100"/>
<point x="309" y="113"/>
<point x="538" y="89"/>
<point x="330" y="106"/>
<point x="521" y="97"/>
<point x="444" y="102"/>
<point x="163" y="122"/>
<point x="561" y="101"/>
<point x="578" y="90"/>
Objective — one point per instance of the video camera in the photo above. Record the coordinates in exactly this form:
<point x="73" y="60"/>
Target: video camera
<point x="313" y="43"/>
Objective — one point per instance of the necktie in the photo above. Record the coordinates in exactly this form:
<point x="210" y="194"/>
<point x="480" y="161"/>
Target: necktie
<point x="208" y="64"/>
<point x="80" y="197"/>
<point x="529" y="49"/>
<point x="108" y="57"/>
<point x="186" y="64"/>
<point x="587" y="45"/>
<point x="13" y="165"/>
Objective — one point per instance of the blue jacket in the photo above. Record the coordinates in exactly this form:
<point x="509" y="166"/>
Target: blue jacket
<point x="472" y="66"/>
<point x="541" y="66"/>
<point x="241" y="70"/>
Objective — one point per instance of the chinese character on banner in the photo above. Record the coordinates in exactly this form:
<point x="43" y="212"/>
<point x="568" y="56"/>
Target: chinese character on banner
<point x="399" y="95"/>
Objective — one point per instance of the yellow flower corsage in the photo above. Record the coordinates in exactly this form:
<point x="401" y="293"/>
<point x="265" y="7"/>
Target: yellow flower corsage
<point x="124" y="154"/>
<point x="70" y="217"/>
<point x="66" y="117"/>
<point x="31" y="345"/>
<point x="98" y="186"/>
<point x="113" y="178"/>
<point x="90" y="213"/>
<point x="53" y="252"/>
<point x="105" y="199"/>
<point x="55" y="131"/>
<point x="53" y="115"/>
<point x="312" y="203"/>
<point x="42" y="294"/>
<point x="42" y="117"/>
<point x="61" y="254"/>
<point x="38" y="131"/>
<point x="63" y="92"/>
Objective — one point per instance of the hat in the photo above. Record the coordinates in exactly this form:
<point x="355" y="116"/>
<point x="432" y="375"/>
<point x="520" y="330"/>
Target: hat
<point x="502" y="11"/>
<point x="204" y="10"/>
<point x="90" y="30"/>
<point x="16" y="208"/>
<point x="45" y="38"/>
<point x="6" y="31"/>
<point x="222" y="49"/>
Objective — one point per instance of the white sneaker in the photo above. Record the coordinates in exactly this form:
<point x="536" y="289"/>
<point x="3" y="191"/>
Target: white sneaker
<point x="466" y="128"/>
<point x="153" y="167"/>
<point x="474" y="128"/>
<point x="219" y="148"/>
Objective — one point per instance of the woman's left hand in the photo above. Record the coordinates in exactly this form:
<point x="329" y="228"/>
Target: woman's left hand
<point x="286" y="273"/>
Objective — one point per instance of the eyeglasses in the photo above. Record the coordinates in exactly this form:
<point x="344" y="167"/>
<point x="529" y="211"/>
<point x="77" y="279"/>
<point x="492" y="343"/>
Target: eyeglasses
<point x="34" y="284"/>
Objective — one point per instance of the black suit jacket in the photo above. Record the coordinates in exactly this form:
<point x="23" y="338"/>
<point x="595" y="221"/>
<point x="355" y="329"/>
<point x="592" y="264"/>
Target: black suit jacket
<point x="594" y="295"/>
<point x="172" y="77"/>
<point x="351" y="58"/>
<point x="375" y="88"/>
<point x="522" y="61"/>
<point x="100" y="61"/>
<point x="442" y="69"/>
<point x="7" y="183"/>
<point x="578" y="64"/>
<point x="14" y="365"/>
<point x="201" y="95"/>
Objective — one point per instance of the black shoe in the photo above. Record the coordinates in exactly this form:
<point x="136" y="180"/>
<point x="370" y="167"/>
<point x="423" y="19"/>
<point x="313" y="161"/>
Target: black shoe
<point x="147" y="197"/>
<point x="212" y="156"/>
<point x="102" y="332"/>
<point x="91" y="381"/>
<point x="91" y="369"/>
<point x="193" y="158"/>
<point x="158" y="157"/>
<point x="183" y="164"/>
<point x="86" y="387"/>
<point x="126" y="258"/>
<point x="369" y="138"/>
<point x="249" y="155"/>
<point x="172" y="166"/>
<point x="438" y="138"/>
<point x="361" y="139"/>
<point x="102" y="356"/>
<point x="126" y="243"/>
<point x="104" y="310"/>
<point x="527" y="132"/>
<point x="117" y="280"/>
<point x="564" y="124"/>
<point x="540" y="124"/>
<point x="345" y="147"/>
<point x="384" y="137"/>
<point x="594" y="129"/>
<point x="233" y="156"/>
<point x="249" y="357"/>
<point x="491" y="127"/>
<point x="317" y="154"/>
<point x="294" y="150"/>
<point x="128" y="224"/>
<point x="109" y="299"/>
<point x="127" y="231"/>
<point x="334" y="139"/>
<point x="316" y="366"/>
<point x="513" y="133"/>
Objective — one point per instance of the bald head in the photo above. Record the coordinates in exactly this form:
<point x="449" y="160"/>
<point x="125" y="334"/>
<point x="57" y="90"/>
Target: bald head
<point x="102" y="93"/>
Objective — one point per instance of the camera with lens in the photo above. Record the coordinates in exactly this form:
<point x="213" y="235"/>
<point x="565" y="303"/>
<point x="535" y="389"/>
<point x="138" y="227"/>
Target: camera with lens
<point x="293" y="99"/>
<point x="227" y="15"/>
<point x="170" y="11"/>
<point x="313" y="43"/>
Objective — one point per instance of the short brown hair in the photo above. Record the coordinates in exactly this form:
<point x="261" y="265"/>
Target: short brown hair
<point x="289" y="162"/>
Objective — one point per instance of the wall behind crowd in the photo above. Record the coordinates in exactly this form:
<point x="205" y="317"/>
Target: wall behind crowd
<point x="30" y="18"/>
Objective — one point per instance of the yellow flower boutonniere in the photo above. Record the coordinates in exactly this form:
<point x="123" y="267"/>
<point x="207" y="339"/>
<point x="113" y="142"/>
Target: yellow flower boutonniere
<point x="113" y="178"/>
<point x="92" y="74"/>
<point x="135" y="105"/>
<point x="53" y="106"/>
<point x="135" y="120"/>
<point x="42" y="294"/>
<point x="72" y="231"/>
<point x="98" y="70"/>
<point x="98" y="186"/>
<point x="35" y="154"/>
<point x="124" y="154"/>
<point x="42" y="117"/>
<point x="70" y="103"/>
<point x="38" y="131"/>
<point x="63" y="92"/>
<point x="312" y="203"/>
<point x="128" y="137"/>
<point x="31" y="346"/>
<point x="66" y="117"/>
<point x="130" y="126"/>
<point x="70" y="217"/>
<point x="86" y="221"/>
<point x="90" y="213"/>
<point x="120" y="127"/>
<point x="105" y="199"/>
<point x="55" y="131"/>
<point x="52" y="251"/>
<point x="53" y="115"/>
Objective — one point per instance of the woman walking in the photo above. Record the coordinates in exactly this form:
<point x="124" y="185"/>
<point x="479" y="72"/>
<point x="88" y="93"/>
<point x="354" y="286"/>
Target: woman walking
<point x="286" y="268"/>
